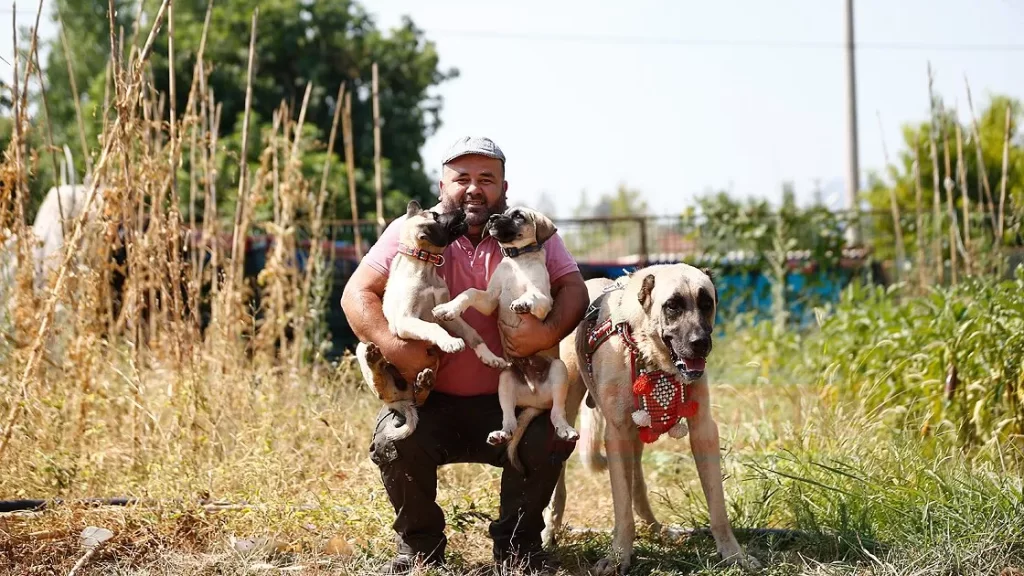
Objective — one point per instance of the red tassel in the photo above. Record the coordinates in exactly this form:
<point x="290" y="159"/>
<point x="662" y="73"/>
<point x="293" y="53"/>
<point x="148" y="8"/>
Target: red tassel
<point x="687" y="409"/>
<point x="643" y="385"/>
<point x="647" y="435"/>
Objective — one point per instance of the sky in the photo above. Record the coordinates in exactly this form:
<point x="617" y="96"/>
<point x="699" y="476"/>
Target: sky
<point x="676" y="98"/>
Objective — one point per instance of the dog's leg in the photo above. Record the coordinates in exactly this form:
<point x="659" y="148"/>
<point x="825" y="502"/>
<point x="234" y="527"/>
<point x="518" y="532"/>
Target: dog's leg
<point x="558" y="381"/>
<point x="507" y="384"/>
<point x="372" y="364"/>
<point x="482" y="300"/>
<point x="704" y="444"/>
<point x="641" y="503"/>
<point x="620" y="467"/>
<point x="462" y="329"/>
<point x="411" y="328"/>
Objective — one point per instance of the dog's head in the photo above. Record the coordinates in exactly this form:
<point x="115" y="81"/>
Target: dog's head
<point x="679" y="302"/>
<point x="431" y="231"/>
<point x="518" y="227"/>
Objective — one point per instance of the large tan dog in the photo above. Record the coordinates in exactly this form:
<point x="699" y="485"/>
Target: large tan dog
<point x="660" y="319"/>
<point x="414" y="288"/>
<point x="520" y="285"/>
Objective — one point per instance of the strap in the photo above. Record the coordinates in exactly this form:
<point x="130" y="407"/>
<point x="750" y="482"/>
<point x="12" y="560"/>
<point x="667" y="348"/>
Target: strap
<point x="512" y="251"/>
<point x="435" y="259"/>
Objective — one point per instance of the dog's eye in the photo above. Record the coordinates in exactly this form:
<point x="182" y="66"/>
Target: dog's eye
<point x="704" y="301"/>
<point x="674" y="305"/>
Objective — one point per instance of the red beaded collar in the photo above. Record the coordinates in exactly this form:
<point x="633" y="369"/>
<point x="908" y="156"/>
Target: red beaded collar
<point x="419" y="254"/>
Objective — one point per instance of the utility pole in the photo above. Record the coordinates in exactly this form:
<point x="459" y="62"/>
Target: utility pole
<point x="853" y="236"/>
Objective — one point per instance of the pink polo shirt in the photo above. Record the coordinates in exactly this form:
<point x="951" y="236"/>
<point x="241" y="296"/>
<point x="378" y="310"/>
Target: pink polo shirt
<point x="466" y="266"/>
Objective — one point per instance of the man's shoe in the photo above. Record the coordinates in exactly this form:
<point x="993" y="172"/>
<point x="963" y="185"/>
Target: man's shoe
<point x="405" y="564"/>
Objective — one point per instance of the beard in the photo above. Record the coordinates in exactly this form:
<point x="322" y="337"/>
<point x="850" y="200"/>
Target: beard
<point x="476" y="214"/>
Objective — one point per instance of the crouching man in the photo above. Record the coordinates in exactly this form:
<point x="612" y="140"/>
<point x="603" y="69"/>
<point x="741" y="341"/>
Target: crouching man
<point x="463" y="407"/>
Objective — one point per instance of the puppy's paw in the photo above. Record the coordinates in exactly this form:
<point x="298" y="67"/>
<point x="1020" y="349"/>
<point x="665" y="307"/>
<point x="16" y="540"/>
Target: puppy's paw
<point x="452" y="346"/>
<point x="521" y="306"/>
<point x="444" y="312"/>
<point x="374" y="357"/>
<point x="498" y="437"/>
<point x="425" y="379"/>
<point x="488" y="357"/>
<point x="567" y="433"/>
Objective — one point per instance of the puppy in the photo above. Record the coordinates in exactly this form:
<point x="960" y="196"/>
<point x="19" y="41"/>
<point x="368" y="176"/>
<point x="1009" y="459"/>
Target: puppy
<point x="414" y="288"/>
<point x="639" y="355"/>
<point x="520" y="285"/>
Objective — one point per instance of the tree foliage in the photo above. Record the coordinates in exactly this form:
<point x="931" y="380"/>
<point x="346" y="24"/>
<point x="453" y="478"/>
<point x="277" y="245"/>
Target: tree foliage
<point x="298" y="42"/>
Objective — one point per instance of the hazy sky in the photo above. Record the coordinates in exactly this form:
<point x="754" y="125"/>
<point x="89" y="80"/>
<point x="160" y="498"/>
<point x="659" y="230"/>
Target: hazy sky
<point x="677" y="97"/>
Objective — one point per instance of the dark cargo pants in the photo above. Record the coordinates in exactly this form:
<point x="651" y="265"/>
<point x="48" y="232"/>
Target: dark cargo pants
<point x="454" y="429"/>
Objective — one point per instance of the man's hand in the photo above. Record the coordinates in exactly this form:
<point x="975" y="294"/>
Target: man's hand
<point x="528" y="336"/>
<point x="410" y="357"/>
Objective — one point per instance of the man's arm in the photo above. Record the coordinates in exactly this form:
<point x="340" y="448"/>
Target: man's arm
<point x="362" y="302"/>
<point x="570" y="305"/>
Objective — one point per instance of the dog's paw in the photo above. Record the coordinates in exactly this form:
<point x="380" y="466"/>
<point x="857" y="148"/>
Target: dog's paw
<point x="567" y="433"/>
<point x="374" y="356"/>
<point x="452" y="346"/>
<point x="425" y="379"/>
<point x="444" y="312"/>
<point x="609" y="566"/>
<point x="488" y="357"/>
<point x="520" y="306"/>
<point x="498" y="437"/>
<point x="743" y="560"/>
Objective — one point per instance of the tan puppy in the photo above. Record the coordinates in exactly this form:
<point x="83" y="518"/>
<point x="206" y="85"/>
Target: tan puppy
<point x="414" y="288"/>
<point x="520" y="285"/>
<point x="660" y="317"/>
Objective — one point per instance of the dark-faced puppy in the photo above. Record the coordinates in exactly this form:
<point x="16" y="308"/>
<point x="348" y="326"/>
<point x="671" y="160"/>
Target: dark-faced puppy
<point x="520" y="285"/>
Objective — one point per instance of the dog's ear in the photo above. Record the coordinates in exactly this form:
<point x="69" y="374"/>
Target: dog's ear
<point x="711" y="274"/>
<point x="544" y="226"/>
<point x="646" y="289"/>
<point x="413" y="208"/>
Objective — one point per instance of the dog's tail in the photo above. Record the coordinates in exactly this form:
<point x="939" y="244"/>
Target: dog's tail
<point x="524" y="419"/>
<point x="591" y="420"/>
<point x="408" y="409"/>
<point x="591" y="439"/>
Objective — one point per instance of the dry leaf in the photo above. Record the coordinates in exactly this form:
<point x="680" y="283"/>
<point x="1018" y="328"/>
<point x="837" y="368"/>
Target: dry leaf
<point x="93" y="536"/>
<point x="338" y="546"/>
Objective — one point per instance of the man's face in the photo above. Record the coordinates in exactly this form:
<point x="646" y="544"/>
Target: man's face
<point x="475" y="184"/>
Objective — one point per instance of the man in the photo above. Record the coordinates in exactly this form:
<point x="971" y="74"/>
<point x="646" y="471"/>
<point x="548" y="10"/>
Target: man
<point x="463" y="408"/>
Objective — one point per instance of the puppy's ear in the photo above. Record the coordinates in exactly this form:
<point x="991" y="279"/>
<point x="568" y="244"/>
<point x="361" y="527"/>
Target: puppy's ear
<point x="413" y="208"/>
<point x="711" y="274"/>
<point x="545" y="227"/>
<point x="645" y="295"/>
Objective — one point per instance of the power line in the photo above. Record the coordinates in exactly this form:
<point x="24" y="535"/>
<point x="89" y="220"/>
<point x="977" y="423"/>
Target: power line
<point x="611" y="39"/>
<point x="607" y="39"/>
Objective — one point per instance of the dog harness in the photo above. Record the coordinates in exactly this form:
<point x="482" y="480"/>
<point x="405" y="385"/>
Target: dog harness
<point x="659" y="398"/>
<point x="420" y="254"/>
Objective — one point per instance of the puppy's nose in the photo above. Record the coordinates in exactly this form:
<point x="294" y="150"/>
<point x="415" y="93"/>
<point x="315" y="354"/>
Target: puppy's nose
<point x="493" y="217"/>
<point x="700" y="344"/>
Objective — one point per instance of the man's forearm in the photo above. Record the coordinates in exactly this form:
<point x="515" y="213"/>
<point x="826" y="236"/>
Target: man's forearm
<point x="362" y="303"/>
<point x="570" y="304"/>
<point x="365" y="316"/>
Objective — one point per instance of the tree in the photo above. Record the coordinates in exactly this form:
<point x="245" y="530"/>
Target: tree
<point x="298" y="42"/>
